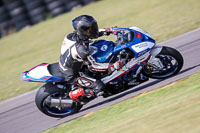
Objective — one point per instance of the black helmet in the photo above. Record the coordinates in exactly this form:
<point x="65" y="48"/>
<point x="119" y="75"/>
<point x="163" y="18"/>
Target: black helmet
<point x="86" y="27"/>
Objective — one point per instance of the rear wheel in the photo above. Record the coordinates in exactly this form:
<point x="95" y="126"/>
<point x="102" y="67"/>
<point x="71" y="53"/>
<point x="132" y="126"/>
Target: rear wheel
<point x="50" y="91"/>
<point x="171" y="60"/>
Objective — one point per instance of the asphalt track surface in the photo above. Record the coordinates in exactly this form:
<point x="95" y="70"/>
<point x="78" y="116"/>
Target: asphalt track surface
<point x="20" y="114"/>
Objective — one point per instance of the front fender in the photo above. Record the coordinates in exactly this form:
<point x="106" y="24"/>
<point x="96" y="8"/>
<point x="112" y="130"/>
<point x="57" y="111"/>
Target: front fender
<point x="156" y="50"/>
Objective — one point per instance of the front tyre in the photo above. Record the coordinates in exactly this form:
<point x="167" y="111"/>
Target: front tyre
<point x="171" y="60"/>
<point x="48" y="91"/>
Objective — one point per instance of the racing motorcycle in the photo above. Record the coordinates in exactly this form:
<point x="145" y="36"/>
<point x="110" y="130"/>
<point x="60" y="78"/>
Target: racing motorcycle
<point x="142" y="58"/>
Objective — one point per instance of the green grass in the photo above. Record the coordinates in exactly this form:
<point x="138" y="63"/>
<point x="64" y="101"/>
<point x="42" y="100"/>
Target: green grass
<point x="20" y="51"/>
<point x="171" y="109"/>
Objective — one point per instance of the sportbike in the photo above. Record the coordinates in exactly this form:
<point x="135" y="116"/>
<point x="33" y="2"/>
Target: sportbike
<point x="142" y="59"/>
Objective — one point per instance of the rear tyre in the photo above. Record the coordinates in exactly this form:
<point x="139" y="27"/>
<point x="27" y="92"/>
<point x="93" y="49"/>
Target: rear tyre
<point x="50" y="90"/>
<point x="172" y="61"/>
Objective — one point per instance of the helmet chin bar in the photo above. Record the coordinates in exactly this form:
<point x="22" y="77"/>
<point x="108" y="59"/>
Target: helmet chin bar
<point x="83" y="38"/>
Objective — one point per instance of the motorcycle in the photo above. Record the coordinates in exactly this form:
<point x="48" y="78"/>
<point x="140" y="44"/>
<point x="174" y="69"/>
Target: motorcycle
<point x="142" y="58"/>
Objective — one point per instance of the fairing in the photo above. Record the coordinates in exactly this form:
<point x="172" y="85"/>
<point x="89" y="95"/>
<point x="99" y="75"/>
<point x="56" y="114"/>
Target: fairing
<point x="102" y="50"/>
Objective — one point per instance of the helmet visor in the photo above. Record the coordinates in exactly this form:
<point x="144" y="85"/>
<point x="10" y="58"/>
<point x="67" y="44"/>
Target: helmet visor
<point x="93" y="31"/>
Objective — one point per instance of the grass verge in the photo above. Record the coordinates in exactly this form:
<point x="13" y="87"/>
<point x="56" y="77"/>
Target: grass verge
<point x="41" y="43"/>
<point x="171" y="109"/>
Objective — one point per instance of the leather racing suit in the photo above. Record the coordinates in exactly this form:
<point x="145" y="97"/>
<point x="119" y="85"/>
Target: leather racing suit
<point x="74" y="54"/>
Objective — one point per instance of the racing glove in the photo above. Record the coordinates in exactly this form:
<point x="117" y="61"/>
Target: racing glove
<point x="105" y="32"/>
<point x="108" y="31"/>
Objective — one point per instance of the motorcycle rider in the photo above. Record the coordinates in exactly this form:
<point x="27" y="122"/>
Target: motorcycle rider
<point x="75" y="53"/>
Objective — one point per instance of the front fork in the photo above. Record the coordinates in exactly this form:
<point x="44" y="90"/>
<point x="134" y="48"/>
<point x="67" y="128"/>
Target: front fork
<point x="153" y="61"/>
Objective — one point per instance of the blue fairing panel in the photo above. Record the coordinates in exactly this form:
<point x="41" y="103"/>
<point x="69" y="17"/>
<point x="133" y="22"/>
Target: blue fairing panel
<point x="102" y="50"/>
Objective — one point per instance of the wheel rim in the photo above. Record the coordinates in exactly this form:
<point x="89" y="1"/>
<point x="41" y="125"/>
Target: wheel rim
<point x="56" y="111"/>
<point x="170" y="67"/>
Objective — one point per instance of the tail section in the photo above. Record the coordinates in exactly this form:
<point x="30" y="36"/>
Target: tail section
<point x="39" y="73"/>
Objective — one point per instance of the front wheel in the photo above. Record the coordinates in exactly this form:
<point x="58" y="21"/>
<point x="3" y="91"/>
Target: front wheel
<point x="171" y="60"/>
<point x="49" y="99"/>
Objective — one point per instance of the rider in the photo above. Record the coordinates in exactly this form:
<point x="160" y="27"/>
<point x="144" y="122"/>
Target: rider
<point x="75" y="53"/>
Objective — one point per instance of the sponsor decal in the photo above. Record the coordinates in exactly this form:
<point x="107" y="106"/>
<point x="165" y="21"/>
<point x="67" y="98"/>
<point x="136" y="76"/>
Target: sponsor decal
<point x="101" y="58"/>
<point x="123" y="46"/>
<point x="104" y="48"/>
<point x="118" y="48"/>
<point x="140" y="45"/>
<point x="143" y="52"/>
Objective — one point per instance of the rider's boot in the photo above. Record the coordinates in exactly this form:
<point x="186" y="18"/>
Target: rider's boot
<point x="81" y="95"/>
